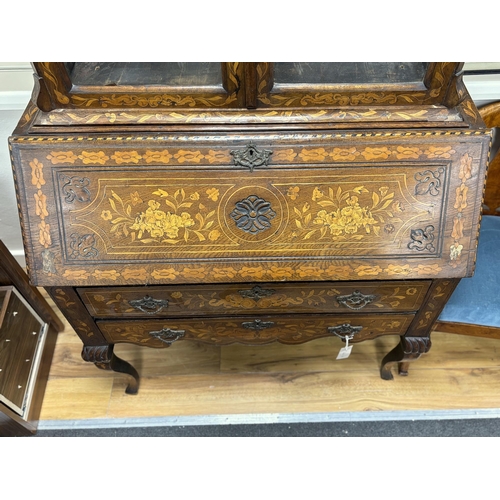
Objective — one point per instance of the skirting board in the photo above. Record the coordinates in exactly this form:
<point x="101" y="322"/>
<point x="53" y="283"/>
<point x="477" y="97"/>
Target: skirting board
<point x="271" y="418"/>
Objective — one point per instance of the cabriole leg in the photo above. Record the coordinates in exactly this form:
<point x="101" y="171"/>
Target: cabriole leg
<point x="96" y="348"/>
<point x="417" y="339"/>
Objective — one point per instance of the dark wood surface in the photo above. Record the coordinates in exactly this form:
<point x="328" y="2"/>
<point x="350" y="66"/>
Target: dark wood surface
<point x="5" y="293"/>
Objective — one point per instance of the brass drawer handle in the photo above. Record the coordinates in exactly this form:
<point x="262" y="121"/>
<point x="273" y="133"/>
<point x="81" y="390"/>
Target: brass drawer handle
<point x="148" y="305"/>
<point x="257" y="324"/>
<point x="167" y="335"/>
<point x="345" y="331"/>
<point x="356" y="300"/>
<point x="256" y="293"/>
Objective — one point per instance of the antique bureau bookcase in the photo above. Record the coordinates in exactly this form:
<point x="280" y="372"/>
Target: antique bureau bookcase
<point x="249" y="202"/>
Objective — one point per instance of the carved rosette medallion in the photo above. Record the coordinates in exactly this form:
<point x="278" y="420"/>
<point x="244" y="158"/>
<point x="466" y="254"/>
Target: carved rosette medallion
<point x="253" y="214"/>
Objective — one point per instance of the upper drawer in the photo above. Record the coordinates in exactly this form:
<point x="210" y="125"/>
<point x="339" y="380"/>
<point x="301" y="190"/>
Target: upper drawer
<point x="231" y="299"/>
<point x="299" y="207"/>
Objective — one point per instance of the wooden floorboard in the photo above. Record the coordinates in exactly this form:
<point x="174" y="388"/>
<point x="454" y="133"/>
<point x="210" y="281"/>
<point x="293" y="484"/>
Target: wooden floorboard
<point x="194" y="379"/>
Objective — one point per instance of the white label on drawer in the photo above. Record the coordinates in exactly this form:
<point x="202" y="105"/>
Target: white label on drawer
<point x="345" y="352"/>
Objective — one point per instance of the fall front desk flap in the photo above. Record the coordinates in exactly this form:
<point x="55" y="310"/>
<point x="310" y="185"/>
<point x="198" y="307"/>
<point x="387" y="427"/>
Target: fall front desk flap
<point x="134" y="210"/>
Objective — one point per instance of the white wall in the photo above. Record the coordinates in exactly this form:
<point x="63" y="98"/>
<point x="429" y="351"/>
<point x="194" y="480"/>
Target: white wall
<point x="16" y="83"/>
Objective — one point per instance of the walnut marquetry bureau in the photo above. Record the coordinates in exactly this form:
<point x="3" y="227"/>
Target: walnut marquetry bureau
<point x="249" y="202"/>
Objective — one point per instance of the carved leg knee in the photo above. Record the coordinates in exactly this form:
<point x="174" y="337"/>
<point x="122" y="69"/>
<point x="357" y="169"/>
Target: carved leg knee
<point x="408" y="349"/>
<point x="104" y="358"/>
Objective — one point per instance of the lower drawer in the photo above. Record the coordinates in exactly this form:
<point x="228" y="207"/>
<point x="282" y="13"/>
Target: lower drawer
<point x="288" y="329"/>
<point x="266" y="298"/>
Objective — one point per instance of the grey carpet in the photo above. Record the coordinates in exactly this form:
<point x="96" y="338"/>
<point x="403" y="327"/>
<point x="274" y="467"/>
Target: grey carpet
<point x="482" y="427"/>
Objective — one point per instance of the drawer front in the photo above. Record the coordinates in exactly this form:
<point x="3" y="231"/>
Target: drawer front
<point x="268" y="298"/>
<point x="301" y="208"/>
<point x="255" y="331"/>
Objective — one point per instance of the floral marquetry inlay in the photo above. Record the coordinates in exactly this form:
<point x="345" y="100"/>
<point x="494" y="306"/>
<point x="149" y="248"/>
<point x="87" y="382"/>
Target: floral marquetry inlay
<point x="41" y="210"/>
<point x="461" y="193"/>
<point x="166" y="219"/>
<point x="258" y="273"/>
<point x="342" y="215"/>
<point x="210" y="156"/>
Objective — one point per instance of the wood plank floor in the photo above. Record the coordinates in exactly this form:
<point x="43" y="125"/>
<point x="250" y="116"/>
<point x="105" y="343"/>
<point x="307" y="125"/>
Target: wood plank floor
<point x="193" y="379"/>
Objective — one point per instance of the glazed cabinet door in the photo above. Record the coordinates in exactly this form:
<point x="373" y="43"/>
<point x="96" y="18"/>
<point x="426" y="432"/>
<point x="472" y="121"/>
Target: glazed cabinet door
<point x="333" y="84"/>
<point x="140" y="85"/>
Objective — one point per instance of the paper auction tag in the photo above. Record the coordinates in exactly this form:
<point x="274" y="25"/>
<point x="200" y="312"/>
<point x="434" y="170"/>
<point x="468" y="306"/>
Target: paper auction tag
<point x="345" y="352"/>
